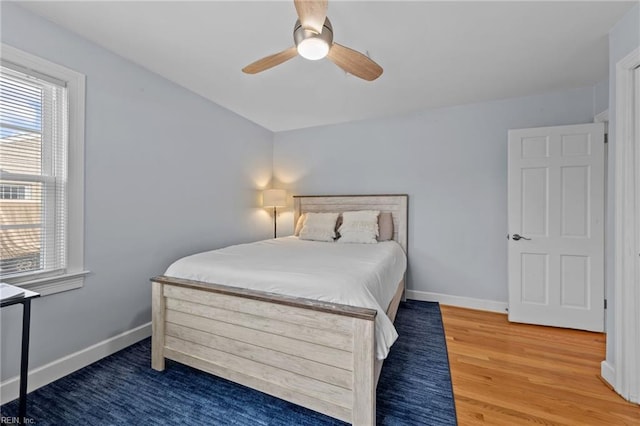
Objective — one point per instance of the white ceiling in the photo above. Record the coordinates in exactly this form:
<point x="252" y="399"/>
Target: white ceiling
<point x="434" y="54"/>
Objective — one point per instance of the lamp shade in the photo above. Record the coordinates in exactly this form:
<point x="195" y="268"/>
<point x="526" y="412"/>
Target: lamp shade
<point x="274" y="198"/>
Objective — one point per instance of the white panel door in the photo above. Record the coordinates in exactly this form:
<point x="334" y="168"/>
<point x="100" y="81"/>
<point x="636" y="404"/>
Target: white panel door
<point x="556" y="226"/>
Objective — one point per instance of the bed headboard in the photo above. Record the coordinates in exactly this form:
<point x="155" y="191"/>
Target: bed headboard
<point x="396" y="204"/>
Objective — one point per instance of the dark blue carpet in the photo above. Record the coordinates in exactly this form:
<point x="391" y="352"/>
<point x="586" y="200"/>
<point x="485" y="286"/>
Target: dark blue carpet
<point x="122" y="389"/>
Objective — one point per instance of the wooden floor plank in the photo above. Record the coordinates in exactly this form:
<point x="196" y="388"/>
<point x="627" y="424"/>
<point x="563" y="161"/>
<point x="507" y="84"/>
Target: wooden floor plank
<point x="516" y="374"/>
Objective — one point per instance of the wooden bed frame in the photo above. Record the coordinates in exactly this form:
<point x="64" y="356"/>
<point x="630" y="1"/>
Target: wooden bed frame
<point x="315" y="354"/>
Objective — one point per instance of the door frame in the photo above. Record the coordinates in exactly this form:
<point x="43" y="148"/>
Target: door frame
<point x="626" y="244"/>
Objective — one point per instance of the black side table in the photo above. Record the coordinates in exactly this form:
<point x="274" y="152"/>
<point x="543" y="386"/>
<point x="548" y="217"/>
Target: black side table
<point x="25" y="300"/>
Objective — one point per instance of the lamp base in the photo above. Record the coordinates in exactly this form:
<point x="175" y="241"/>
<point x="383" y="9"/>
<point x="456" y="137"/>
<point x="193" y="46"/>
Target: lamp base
<point x="275" y="221"/>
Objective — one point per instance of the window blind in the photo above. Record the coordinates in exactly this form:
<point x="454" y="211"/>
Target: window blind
<point x="33" y="172"/>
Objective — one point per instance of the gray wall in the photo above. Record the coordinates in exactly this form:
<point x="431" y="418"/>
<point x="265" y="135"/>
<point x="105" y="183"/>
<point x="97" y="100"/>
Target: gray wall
<point x="624" y="37"/>
<point x="601" y="96"/>
<point x="168" y="173"/>
<point x="453" y="164"/>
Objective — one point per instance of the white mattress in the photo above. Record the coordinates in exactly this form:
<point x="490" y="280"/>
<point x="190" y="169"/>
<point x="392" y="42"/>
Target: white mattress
<point x="364" y="275"/>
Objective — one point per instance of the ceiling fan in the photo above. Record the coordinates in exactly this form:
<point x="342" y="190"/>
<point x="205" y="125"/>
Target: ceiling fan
<point x="313" y="36"/>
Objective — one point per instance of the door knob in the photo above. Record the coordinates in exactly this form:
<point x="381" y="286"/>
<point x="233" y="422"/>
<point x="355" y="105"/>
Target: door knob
<point x="517" y="237"/>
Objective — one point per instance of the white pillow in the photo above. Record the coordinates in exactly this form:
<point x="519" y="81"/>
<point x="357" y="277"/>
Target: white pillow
<point x="319" y="227"/>
<point x="299" y="224"/>
<point x="359" y="227"/>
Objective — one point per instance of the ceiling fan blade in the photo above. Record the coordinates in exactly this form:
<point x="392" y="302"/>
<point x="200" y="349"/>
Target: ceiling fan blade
<point x="354" y="62"/>
<point x="311" y="13"/>
<point x="270" y="61"/>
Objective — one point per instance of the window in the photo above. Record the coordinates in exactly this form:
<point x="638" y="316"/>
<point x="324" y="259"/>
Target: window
<point x="14" y="192"/>
<point x="41" y="173"/>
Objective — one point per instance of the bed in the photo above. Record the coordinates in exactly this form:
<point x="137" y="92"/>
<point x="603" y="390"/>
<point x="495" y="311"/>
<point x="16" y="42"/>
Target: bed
<point x="314" y="353"/>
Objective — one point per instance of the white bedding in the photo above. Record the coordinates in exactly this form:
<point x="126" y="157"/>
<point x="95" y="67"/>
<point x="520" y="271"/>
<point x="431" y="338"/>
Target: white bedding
<point x="364" y="275"/>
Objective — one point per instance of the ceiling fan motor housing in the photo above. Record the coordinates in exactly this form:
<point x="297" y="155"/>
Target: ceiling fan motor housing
<point x="300" y="34"/>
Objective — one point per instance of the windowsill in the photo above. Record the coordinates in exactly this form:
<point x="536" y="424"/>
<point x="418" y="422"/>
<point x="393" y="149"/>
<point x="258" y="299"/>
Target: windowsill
<point x="52" y="285"/>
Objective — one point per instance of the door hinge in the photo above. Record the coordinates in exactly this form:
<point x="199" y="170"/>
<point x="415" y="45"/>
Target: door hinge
<point x="605" y="303"/>
<point x="606" y="138"/>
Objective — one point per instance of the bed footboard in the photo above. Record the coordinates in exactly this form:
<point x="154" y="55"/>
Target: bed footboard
<point x="315" y="354"/>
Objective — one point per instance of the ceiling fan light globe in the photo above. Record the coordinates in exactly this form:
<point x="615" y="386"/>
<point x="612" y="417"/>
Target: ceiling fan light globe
<point x="313" y="48"/>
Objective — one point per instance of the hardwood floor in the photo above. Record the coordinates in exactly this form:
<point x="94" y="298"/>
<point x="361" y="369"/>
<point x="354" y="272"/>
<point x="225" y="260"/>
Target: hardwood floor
<point x="514" y="374"/>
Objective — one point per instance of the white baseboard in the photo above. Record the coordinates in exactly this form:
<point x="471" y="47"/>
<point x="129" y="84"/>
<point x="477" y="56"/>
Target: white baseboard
<point x="608" y="373"/>
<point x="462" y="302"/>
<point x="59" y="368"/>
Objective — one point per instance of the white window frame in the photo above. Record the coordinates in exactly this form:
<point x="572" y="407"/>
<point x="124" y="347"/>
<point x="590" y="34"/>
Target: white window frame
<point x="74" y="273"/>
